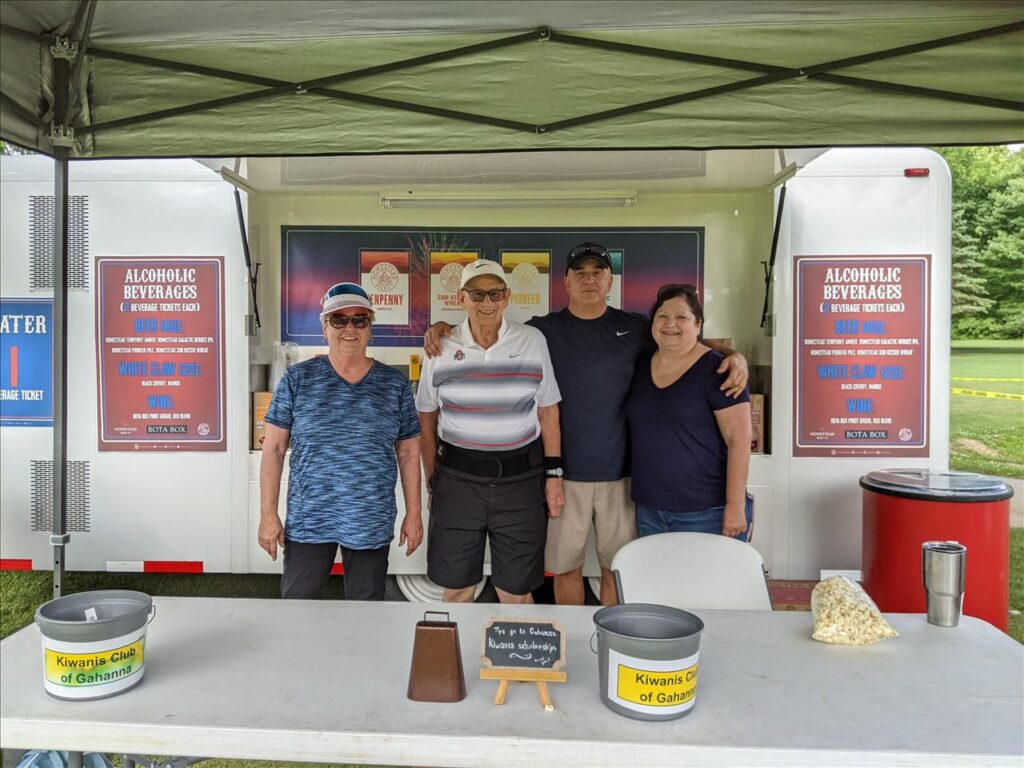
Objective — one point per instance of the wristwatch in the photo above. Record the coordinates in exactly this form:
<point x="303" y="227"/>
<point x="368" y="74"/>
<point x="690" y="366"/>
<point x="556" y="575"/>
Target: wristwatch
<point x="556" y="472"/>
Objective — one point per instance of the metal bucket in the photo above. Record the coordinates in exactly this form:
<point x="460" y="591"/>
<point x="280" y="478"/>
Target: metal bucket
<point x="647" y="658"/>
<point x="94" y="643"/>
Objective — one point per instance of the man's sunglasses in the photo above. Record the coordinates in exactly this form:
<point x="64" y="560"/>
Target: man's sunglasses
<point x="588" y="249"/>
<point x="342" y="321"/>
<point x="496" y="294"/>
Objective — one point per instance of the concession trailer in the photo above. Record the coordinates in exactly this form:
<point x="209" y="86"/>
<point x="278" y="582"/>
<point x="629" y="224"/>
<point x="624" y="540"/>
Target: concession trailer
<point x="763" y="151"/>
<point x="845" y="324"/>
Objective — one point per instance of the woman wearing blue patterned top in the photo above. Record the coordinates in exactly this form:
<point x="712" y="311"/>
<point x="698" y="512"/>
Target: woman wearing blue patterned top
<point x="346" y="417"/>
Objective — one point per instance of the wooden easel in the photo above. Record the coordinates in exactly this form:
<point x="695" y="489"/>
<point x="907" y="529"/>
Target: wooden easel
<point x="539" y="676"/>
<point x="524" y="650"/>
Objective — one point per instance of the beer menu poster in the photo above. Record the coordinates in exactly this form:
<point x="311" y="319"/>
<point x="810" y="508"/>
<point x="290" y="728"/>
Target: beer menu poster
<point x="861" y="365"/>
<point x="160" y="353"/>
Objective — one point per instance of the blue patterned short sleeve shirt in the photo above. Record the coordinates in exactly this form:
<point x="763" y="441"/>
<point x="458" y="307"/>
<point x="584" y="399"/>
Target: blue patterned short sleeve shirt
<point x="343" y="470"/>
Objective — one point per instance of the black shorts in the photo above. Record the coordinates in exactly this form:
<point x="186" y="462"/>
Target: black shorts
<point x="464" y="513"/>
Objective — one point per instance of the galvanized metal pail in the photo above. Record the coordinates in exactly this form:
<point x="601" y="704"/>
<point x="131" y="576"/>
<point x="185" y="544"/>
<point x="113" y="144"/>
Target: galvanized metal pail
<point x="647" y="657"/>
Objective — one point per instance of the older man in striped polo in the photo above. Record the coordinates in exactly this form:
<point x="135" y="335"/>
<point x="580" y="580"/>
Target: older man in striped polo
<point x="490" y="445"/>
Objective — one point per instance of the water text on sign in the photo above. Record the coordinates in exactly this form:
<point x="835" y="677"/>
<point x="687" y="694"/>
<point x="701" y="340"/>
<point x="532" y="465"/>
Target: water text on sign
<point x="22" y="323"/>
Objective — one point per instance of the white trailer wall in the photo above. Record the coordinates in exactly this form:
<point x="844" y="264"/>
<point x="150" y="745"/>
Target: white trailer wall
<point x="180" y="507"/>
<point x="853" y="202"/>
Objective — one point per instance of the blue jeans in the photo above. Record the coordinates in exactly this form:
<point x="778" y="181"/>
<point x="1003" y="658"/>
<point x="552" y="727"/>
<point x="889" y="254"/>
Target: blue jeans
<point x="650" y="521"/>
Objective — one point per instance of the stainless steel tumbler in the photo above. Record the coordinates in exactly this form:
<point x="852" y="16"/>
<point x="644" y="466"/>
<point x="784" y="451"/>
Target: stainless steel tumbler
<point x="944" y="564"/>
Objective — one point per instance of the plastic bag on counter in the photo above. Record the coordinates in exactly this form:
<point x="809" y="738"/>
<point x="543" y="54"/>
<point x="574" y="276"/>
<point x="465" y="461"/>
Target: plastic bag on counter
<point x="846" y="615"/>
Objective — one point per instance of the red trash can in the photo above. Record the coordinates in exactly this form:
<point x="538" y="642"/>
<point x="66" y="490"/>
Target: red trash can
<point x="903" y="508"/>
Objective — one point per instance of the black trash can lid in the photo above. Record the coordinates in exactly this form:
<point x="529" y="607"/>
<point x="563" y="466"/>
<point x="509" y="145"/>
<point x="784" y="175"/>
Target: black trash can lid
<point x="937" y="486"/>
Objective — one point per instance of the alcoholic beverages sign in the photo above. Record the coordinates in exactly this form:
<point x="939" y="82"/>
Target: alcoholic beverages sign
<point x="861" y="362"/>
<point x="160" y="349"/>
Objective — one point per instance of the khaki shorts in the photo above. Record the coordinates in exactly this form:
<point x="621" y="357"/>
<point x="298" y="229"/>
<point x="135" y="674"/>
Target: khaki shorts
<point x="606" y="506"/>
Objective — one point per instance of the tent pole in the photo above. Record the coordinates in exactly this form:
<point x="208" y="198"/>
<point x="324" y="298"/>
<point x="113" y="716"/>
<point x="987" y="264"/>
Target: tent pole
<point x="60" y="537"/>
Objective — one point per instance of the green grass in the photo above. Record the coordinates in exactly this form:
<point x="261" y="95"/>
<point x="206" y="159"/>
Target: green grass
<point x="1002" y="344"/>
<point x="986" y="435"/>
<point x="1016" y="630"/>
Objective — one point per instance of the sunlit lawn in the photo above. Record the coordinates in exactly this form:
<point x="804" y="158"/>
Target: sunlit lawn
<point x="986" y="433"/>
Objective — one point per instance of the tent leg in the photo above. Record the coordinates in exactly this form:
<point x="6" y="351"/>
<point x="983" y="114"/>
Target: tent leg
<point x="60" y="536"/>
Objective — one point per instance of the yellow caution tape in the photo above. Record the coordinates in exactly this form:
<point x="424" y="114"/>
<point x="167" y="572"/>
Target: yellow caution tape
<point x="979" y="393"/>
<point x="968" y="378"/>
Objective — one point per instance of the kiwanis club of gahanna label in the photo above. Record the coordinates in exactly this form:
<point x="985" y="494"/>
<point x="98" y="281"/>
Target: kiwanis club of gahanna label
<point x="95" y="669"/>
<point x="653" y="687"/>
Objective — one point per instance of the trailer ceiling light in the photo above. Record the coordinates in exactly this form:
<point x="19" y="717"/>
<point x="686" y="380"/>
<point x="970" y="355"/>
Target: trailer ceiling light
<point x="909" y="172"/>
<point x="508" y="200"/>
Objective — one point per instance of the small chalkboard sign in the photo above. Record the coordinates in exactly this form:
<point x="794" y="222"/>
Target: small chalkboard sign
<point x="523" y="644"/>
<point x="525" y="650"/>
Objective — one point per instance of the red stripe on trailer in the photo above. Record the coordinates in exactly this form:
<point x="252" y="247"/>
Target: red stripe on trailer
<point x="172" y="566"/>
<point x="9" y="564"/>
<point x="337" y="569"/>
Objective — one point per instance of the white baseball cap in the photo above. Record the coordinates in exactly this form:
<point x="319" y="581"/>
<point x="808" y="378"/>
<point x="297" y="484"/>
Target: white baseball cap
<point x="342" y="296"/>
<point x="482" y="267"/>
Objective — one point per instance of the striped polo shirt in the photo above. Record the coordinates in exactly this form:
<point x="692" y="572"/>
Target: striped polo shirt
<point x="488" y="398"/>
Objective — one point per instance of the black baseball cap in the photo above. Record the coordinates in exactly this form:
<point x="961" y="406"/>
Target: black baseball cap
<point x="585" y="251"/>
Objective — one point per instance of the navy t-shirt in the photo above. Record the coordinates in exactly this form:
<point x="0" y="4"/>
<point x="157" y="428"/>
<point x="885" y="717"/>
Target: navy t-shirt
<point x="343" y="470"/>
<point x="679" y="455"/>
<point x="594" y="362"/>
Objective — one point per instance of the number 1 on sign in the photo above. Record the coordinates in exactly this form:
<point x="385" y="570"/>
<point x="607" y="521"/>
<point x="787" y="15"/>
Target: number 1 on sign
<point x="14" y="367"/>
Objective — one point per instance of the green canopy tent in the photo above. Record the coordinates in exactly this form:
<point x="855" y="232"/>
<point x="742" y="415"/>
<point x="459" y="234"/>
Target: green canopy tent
<point x="164" y="78"/>
<point x="176" y="78"/>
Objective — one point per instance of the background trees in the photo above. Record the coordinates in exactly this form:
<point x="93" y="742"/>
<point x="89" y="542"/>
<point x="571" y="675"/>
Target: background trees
<point x="988" y="242"/>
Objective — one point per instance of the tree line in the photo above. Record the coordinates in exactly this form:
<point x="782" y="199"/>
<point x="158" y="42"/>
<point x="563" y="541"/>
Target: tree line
<point x="988" y="241"/>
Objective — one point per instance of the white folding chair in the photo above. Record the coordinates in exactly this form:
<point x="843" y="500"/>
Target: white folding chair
<point x="690" y="571"/>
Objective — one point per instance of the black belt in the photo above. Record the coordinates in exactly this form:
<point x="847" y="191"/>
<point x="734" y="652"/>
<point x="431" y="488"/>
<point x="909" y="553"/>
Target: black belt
<point x="492" y="467"/>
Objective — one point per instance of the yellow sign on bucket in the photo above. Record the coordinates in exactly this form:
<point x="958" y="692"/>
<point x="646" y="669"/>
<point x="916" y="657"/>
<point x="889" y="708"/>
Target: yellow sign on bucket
<point x="94" y="643"/>
<point x="640" y="684"/>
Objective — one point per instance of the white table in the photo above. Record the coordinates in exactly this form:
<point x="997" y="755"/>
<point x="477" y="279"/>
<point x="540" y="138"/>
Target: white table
<point x="326" y="682"/>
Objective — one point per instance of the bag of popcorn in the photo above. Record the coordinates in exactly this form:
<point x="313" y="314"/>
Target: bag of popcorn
<point x="845" y="614"/>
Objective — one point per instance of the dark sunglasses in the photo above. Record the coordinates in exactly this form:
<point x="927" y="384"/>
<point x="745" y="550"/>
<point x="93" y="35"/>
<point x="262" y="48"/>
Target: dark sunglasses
<point x="677" y="288"/>
<point x="588" y="249"/>
<point x="496" y="294"/>
<point x="341" y="321"/>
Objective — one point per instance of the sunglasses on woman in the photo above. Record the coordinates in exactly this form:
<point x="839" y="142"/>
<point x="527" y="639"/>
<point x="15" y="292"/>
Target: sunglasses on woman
<point x="342" y="321"/>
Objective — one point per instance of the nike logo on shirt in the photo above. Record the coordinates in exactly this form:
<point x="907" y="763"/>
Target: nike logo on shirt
<point x="621" y="333"/>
